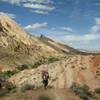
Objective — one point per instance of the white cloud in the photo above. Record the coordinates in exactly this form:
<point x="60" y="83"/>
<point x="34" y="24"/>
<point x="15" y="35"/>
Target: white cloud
<point x="36" y="26"/>
<point x="38" y="6"/>
<point x="45" y="6"/>
<point x="66" y="29"/>
<point x="67" y="34"/>
<point x="81" y="38"/>
<point x="78" y="40"/>
<point x="8" y="14"/>
<point x="40" y="12"/>
<point x="96" y="27"/>
<point x="24" y="1"/>
<point x="97" y="21"/>
<point x="12" y="1"/>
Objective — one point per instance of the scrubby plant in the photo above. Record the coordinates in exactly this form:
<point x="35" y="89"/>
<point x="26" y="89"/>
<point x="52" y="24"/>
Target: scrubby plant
<point x="44" y="97"/>
<point x="38" y="63"/>
<point x="45" y="61"/>
<point x="27" y="87"/>
<point x="97" y="73"/>
<point x="9" y="86"/>
<point x="97" y="90"/>
<point x="83" y="68"/>
<point x="3" y="92"/>
<point x="52" y="59"/>
<point x="82" y="91"/>
<point x="9" y="73"/>
<point x="6" y="87"/>
<point x="22" y="67"/>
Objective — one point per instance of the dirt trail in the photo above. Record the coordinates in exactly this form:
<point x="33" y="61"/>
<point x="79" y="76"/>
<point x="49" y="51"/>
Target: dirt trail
<point x="54" y="94"/>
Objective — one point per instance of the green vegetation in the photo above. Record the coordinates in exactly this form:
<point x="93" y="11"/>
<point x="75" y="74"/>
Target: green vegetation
<point x="26" y="87"/>
<point x="8" y="73"/>
<point x="22" y="67"/>
<point x="82" y="91"/>
<point x="44" y="97"/>
<point x="3" y="92"/>
<point x="97" y="90"/>
<point x="97" y="73"/>
<point x="6" y="87"/>
<point x="83" y="68"/>
<point x="45" y="61"/>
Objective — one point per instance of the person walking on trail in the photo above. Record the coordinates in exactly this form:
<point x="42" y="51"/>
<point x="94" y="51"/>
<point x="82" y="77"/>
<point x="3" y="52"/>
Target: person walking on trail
<point x="45" y="78"/>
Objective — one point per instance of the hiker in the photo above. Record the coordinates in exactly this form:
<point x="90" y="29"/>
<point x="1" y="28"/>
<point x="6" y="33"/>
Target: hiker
<point x="45" y="77"/>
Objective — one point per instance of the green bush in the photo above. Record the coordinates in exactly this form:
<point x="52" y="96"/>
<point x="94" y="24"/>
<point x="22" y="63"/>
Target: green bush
<point x="9" y="73"/>
<point x="97" y="90"/>
<point x="27" y="87"/>
<point x="82" y="91"/>
<point x="22" y="67"/>
<point x="45" y="61"/>
<point x="52" y="59"/>
<point x="3" y="92"/>
<point x="44" y="97"/>
<point x="97" y="73"/>
<point x="6" y="87"/>
<point x="9" y="86"/>
<point x="38" y="63"/>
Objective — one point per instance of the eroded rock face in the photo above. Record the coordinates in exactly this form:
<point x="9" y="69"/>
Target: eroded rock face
<point x="10" y="28"/>
<point x="62" y="73"/>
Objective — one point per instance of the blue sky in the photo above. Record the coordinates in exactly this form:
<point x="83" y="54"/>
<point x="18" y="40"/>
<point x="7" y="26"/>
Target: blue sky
<point x="73" y="22"/>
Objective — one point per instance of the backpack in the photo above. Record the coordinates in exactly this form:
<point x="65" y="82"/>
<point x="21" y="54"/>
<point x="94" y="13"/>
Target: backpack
<point x="46" y="76"/>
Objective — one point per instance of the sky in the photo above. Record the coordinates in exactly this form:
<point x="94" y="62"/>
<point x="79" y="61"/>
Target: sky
<point x="73" y="22"/>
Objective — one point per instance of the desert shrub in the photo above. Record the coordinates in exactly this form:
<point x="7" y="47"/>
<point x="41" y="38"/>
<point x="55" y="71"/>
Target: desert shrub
<point x="38" y="63"/>
<point x="82" y="91"/>
<point x="83" y="68"/>
<point x="27" y="87"/>
<point x="9" y="86"/>
<point x="9" y="73"/>
<point x="22" y="67"/>
<point x="97" y="73"/>
<point x="97" y="90"/>
<point x="2" y="77"/>
<point x="44" y="97"/>
<point x="52" y="59"/>
<point x="3" y="92"/>
<point x="45" y="61"/>
<point x="6" y="87"/>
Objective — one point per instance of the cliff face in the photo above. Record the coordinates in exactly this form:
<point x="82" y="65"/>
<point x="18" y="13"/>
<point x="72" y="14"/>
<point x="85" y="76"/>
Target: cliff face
<point x="9" y="28"/>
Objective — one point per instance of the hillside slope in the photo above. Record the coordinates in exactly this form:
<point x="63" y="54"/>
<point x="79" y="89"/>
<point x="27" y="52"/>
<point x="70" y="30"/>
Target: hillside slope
<point x="74" y="68"/>
<point x="16" y="44"/>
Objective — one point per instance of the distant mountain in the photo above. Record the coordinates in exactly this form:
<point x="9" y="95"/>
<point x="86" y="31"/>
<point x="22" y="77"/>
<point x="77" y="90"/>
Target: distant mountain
<point x="89" y="51"/>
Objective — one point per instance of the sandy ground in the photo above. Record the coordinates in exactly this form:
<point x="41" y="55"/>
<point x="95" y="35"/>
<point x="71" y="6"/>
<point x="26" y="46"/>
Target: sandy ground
<point x="54" y="94"/>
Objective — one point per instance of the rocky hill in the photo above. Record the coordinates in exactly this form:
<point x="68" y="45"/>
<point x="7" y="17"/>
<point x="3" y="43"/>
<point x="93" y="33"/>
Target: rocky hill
<point x="16" y="44"/>
<point x="64" y="63"/>
<point x="78" y="68"/>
